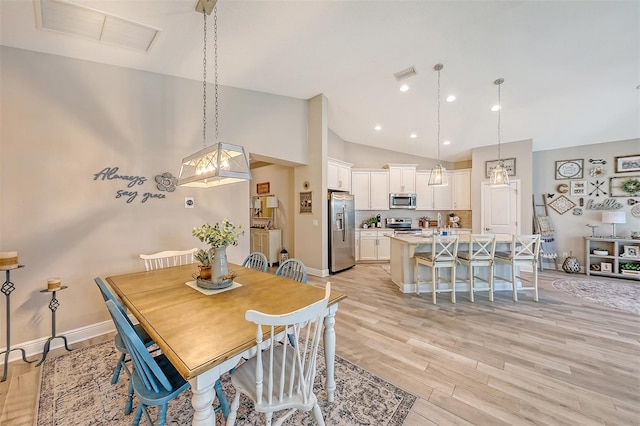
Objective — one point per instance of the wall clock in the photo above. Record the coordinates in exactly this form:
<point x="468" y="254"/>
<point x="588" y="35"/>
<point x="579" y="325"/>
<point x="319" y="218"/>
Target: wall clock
<point x="569" y="169"/>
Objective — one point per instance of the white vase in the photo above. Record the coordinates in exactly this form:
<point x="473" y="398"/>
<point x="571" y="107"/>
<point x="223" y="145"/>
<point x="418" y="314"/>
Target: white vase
<point x="219" y="265"/>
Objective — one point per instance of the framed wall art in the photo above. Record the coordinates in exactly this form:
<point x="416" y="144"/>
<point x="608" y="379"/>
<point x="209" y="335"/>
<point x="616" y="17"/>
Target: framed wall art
<point x="569" y="169"/>
<point x="624" y="186"/>
<point x="509" y="164"/>
<point x="562" y="204"/>
<point x="305" y="202"/>
<point x="263" y="188"/>
<point x="578" y="188"/>
<point x="628" y="163"/>
<point x="631" y="251"/>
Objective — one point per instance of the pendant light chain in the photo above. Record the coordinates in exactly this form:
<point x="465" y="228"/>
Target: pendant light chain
<point x="438" y="116"/>
<point x="499" y="112"/>
<point x="204" y="84"/>
<point x="215" y="60"/>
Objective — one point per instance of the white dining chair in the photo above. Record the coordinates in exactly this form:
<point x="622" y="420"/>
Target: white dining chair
<point x="281" y="376"/>
<point x="524" y="252"/>
<point x="166" y="259"/>
<point x="443" y="254"/>
<point x="481" y="251"/>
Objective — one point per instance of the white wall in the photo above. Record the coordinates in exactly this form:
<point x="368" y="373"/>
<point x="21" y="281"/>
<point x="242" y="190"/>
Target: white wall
<point x="280" y="180"/>
<point x="571" y="229"/>
<point x="521" y="151"/>
<point x="62" y="121"/>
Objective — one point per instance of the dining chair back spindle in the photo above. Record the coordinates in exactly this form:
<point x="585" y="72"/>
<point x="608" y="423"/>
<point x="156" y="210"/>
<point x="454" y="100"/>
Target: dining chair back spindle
<point x="293" y="269"/>
<point x="257" y="261"/>
<point x="166" y="259"/>
<point x="444" y="252"/>
<point x="281" y="376"/>
<point x="155" y="380"/>
<point x="482" y="248"/>
<point x="107" y="294"/>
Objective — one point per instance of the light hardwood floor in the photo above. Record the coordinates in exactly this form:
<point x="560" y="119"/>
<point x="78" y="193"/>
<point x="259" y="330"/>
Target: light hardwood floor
<point x="561" y="361"/>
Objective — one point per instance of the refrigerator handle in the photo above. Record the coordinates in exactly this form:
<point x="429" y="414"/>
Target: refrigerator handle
<point x="345" y="223"/>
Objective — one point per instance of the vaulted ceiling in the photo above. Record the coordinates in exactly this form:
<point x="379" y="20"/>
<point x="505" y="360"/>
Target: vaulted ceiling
<point x="571" y="68"/>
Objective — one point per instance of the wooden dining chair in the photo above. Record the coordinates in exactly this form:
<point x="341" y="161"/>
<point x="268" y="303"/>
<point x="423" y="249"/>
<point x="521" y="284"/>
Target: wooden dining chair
<point x="482" y="248"/>
<point x="293" y="269"/>
<point x="280" y="377"/>
<point x="444" y="252"/>
<point x="165" y="259"/>
<point x="119" y="344"/>
<point x="524" y="252"/>
<point x="257" y="261"/>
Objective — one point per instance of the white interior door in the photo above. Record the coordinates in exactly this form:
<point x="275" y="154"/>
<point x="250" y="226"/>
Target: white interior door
<point x="501" y="209"/>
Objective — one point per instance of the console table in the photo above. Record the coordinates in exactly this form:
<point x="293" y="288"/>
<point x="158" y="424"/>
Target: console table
<point x="616" y="261"/>
<point x="7" y="289"/>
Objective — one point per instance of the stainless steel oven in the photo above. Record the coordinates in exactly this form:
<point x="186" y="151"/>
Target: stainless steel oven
<point x="402" y="201"/>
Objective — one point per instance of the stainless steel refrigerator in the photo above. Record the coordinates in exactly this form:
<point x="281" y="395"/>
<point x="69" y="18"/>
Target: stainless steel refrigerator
<point x="342" y="233"/>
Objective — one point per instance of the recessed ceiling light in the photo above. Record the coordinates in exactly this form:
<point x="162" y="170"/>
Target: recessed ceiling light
<point x="377" y="128"/>
<point x="496" y="108"/>
<point x="446" y="143"/>
<point x="451" y="98"/>
<point x="404" y="88"/>
<point x="413" y="136"/>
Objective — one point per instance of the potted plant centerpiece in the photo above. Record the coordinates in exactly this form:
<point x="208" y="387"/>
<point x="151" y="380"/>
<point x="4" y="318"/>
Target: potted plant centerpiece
<point x="204" y="257"/>
<point x="218" y="237"/>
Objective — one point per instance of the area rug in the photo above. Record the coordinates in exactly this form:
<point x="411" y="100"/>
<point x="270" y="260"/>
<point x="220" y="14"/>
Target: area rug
<point x="76" y="389"/>
<point x="624" y="296"/>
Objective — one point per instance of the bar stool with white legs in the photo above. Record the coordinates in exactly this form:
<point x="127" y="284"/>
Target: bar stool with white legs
<point x="444" y="251"/>
<point x="524" y="252"/>
<point x="481" y="252"/>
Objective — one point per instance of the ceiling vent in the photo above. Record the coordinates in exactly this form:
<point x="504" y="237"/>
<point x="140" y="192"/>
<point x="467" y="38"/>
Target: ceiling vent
<point x="81" y="21"/>
<point x="409" y="72"/>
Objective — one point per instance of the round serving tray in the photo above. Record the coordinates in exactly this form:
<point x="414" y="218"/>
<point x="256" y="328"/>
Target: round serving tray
<point x="209" y="285"/>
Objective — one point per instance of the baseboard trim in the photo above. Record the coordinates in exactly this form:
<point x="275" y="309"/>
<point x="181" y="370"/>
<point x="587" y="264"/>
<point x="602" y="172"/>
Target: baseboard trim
<point x="36" y="347"/>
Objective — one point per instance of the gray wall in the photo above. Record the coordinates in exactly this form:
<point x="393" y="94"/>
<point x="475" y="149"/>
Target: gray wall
<point x="570" y="229"/>
<point x="62" y="121"/>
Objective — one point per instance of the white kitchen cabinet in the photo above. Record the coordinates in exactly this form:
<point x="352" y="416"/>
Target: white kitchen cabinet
<point x="267" y="242"/>
<point x="370" y="189"/>
<point x="402" y="178"/>
<point x="338" y="175"/>
<point x="357" y="250"/>
<point x="461" y="189"/>
<point x="433" y="197"/>
<point x="373" y="245"/>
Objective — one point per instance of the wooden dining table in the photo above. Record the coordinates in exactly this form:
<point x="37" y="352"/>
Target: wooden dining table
<point x="205" y="336"/>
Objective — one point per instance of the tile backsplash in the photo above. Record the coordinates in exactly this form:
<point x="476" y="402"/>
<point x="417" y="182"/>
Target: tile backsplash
<point x="464" y="215"/>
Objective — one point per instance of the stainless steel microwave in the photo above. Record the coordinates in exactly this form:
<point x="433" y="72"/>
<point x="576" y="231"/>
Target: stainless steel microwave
<point x="402" y="201"/>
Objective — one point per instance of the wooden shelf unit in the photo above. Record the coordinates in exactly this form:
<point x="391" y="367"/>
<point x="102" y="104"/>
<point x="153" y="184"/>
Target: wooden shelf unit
<point x="615" y="256"/>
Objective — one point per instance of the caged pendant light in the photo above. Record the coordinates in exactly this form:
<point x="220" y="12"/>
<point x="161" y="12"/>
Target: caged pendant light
<point x="438" y="175"/>
<point x="221" y="163"/>
<point x="499" y="176"/>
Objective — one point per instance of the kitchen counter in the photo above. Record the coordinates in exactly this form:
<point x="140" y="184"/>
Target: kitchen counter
<point x="404" y="246"/>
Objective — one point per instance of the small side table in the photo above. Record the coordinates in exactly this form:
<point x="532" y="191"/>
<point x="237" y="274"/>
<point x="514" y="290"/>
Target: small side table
<point x="53" y="305"/>
<point x="7" y="289"/>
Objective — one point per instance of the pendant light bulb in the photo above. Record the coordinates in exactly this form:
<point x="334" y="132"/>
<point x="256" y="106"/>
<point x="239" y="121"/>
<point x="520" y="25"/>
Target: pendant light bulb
<point x="438" y="175"/>
<point x="499" y="175"/>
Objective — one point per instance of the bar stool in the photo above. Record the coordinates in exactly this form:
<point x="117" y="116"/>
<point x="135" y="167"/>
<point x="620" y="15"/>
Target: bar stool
<point x="481" y="251"/>
<point x="444" y="251"/>
<point x="524" y="251"/>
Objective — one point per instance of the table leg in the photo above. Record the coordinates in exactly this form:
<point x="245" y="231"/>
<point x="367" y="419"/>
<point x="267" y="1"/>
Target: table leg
<point x="204" y="396"/>
<point x="330" y="351"/>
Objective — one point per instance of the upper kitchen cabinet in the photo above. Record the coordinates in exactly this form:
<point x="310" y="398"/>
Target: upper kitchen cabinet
<point x="455" y="196"/>
<point x="339" y="175"/>
<point x="461" y="189"/>
<point x="402" y="178"/>
<point x="433" y="197"/>
<point x="370" y="189"/>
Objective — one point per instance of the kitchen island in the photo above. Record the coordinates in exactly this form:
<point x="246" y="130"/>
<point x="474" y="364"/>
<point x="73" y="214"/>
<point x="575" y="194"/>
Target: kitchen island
<point x="403" y="248"/>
